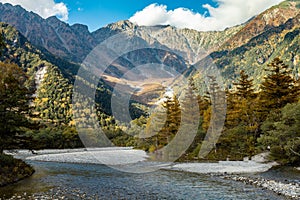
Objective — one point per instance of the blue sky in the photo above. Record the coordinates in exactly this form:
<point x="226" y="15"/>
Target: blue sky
<point x="202" y="15"/>
<point x="98" y="13"/>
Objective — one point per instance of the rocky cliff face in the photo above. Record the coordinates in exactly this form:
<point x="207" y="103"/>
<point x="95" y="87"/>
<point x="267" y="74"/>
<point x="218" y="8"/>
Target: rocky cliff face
<point x="75" y="42"/>
<point x="69" y="42"/>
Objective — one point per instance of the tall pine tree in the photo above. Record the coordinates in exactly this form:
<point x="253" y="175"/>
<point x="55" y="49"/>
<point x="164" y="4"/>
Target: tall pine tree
<point x="14" y="105"/>
<point x="279" y="87"/>
<point x="2" y="43"/>
<point x="243" y="104"/>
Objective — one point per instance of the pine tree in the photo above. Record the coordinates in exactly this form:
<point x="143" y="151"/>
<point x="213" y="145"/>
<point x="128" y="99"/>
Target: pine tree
<point x="173" y="113"/>
<point x="192" y="108"/>
<point x="162" y="126"/>
<point x="2" y="43"/>
<point x="217" y="117"/>
<point x="244" y="87"/>
<point x="190" y="104"/>
<point x="14" y="105"/>
<point x="282" y="135"/>
<point x="279" y="87"/>
<point x="242" y="103"/>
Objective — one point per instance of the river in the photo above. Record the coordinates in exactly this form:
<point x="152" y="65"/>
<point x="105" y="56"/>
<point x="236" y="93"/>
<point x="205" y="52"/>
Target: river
<point x="54" y="180"/>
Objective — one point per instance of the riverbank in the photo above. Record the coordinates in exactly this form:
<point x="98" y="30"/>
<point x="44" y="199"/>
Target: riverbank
<point x="291" y="190"/>
<point x="240" y="171"/>
<point x="54" y="180"/>
<point x="246" y="172"/>
<point x="13" y="170"/>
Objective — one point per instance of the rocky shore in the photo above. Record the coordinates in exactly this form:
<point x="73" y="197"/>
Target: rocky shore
<point x="57" y="193"/>
<point x="290" y="190"/>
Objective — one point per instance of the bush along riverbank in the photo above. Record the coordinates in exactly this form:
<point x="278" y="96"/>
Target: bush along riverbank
<point x="290" y="190"/>
<point x="13" y="170"/>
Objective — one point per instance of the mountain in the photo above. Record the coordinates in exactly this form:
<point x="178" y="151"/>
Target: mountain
<point x="272" y="17"/>
<point x="52" y="34"/>
<point x="49" y="77"/>
<point x="75" y="42"/>
<point x="178" y="48"/>
<point x="274" y="33"/>
<point x="51" y="52"/>
<point x="250" y="46"/>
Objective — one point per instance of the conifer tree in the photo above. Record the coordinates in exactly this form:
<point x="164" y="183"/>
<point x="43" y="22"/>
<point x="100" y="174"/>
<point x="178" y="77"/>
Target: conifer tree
<point x="163" y="124"/>
<point x="217" y="117"/>
<point x="2" y="43"/>
<point x="239" y="137"/>
<point x="279" y="87"/>
<point x="242" y="102"/>
<point x="14" y="105"/>
<point x="282" y="135"/>
<point x="244" y="87"/>
<point x="192" y="108"/>
<point x="173" y="113"/>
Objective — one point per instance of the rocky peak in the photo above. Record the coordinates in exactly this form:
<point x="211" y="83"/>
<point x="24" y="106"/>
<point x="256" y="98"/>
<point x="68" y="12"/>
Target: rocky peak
<point x="80" y="28"/>
<point x="54" y="20"/>
<point x="122" y="25"/>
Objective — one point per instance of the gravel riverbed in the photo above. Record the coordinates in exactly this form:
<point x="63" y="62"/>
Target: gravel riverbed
<point x="291" y="190"/>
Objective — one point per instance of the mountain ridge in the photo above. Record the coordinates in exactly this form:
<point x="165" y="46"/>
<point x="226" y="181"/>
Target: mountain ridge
<point x="231" y="49"/>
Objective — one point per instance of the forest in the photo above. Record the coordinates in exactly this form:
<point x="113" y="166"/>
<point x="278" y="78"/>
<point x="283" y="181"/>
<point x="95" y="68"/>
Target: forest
<point x="258" y="119"/>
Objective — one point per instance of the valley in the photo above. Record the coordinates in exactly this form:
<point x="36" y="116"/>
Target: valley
<point x="174" y="94"/>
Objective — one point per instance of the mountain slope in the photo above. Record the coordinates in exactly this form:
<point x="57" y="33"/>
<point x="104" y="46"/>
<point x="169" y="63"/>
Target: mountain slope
<point x="272" y="17"/>
<point x="75" y="42"/>
<point x="57" y="37"/>
<point x="278" y="40"/>
<point x="273" y="33"/>
<point x="50" y="78"/>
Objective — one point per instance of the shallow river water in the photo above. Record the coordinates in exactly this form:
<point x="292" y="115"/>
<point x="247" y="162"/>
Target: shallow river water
<point x="54" y="180"/>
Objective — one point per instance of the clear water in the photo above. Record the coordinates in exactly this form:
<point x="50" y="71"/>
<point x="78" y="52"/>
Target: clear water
<point x="83" y="181"/>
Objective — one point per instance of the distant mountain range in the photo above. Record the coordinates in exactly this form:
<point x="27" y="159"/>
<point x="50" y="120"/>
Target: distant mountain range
<point x="250" y="46"/>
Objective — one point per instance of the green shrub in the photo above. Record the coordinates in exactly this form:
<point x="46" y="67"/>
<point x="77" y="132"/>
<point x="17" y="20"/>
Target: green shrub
<point x="6" y="160"/>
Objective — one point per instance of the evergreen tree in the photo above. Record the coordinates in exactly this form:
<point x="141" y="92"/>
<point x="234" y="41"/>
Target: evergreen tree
<point x="217" y="113"/>
<point x="192" y="108"/>
<point x="173" y="118"/>
<point x="242" y="105"/>
<point x="14" y="105"/>
<point x="163" y="124"/>
<point x="155" y="124"/>
<point x="282" y="135"/>
<point x="241" y="127"/>
<point x="244" y="87"/>
<point x="2" y="43"/>
<point x="279" y="87"/>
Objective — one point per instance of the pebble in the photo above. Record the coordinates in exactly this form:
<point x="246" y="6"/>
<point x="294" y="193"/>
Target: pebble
<point x="56" y="194"/>
<point x="291" y="190"/>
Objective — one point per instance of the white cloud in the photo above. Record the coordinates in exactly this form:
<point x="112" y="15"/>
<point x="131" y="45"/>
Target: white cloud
<point x="45" y="8"/>
<point x="228" y="13"/>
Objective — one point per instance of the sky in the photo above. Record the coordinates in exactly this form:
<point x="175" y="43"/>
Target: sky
<point x="202" y="15"/>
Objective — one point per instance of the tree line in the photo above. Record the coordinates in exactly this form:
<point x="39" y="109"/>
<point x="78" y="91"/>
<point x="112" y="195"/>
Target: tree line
<point x="266" y="119"/>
